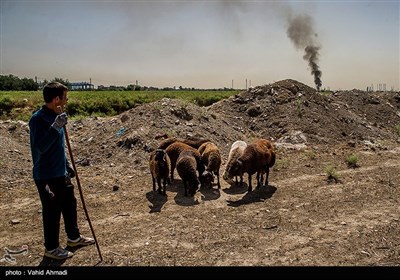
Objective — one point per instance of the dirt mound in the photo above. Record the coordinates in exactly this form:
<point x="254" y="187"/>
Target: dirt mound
<point x="301" y="219"/>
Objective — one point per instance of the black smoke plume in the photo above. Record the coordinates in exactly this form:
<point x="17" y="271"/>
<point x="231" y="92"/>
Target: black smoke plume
<point x="300" y="31"/>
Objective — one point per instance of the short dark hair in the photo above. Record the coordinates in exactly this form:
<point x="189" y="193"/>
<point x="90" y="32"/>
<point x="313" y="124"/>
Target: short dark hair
<point x="52" y="90"/>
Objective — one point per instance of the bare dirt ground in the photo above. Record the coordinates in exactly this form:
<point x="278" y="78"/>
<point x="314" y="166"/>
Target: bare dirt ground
<point x="303" y="219"/>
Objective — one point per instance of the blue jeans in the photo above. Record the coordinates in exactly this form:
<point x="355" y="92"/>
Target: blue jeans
<point x="57" y="198"/>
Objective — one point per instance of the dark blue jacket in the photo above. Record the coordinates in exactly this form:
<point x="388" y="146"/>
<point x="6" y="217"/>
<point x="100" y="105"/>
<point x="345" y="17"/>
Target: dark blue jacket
<point x="47" y="146"/>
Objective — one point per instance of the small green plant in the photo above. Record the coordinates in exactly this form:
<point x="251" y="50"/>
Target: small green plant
<point x="311" y="154"/>
<point x="281" y="164"/>
<point x="299" y="108"/>
<point x="352" y="161"/>
<point x="331" y="172"/>
<point x="397" y="129"/>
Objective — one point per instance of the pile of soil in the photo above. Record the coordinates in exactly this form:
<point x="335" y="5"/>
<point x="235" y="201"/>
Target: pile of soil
<point x="301" y="219"/>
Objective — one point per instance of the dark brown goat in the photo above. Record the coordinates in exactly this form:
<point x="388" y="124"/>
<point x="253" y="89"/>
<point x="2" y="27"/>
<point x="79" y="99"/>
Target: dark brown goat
<point x="211" y="158"/>
<point x="160" y="166"/>
<point x="175" y="149"/>
<point x="257" y="157"/>
<point x="187" y="166"/>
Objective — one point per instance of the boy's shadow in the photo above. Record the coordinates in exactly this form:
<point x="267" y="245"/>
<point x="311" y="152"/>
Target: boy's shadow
<point x="46" y="261"/>
<point x="257" y="195"/>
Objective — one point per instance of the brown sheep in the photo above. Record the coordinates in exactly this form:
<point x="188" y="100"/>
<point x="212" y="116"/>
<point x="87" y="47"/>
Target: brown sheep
<point x="271" y="163"/>
<point x="257" y="158"/>
<point x="160" y="165"/>
<point x="193" y="142"/>
<point x="235" y="152"/>
<point x="211" y="158"/>
<point x="175" y="149"/>
<point x="187" y="166"/>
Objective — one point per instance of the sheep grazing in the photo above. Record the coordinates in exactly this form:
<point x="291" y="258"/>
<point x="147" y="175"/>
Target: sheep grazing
<point x="166" y="142"/>
<point x="268" y="145"/>
<point x="211" y="158"/>
<point x="160" y="165"/>
<point x="235" y="152"/>
<point x="193" y="142"/>
<point x="257" y="157"/>
<point x="187" y="166"/>
<point x="175" y="149"/>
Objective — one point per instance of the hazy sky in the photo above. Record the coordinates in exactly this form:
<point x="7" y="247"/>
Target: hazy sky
<point x="201" y="44"/>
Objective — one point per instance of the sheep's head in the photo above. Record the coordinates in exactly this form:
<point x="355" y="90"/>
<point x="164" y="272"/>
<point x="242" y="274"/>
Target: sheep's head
<point x="236" y="168"/>
<point x="207" y="178"/>
<point x="193" y="187"/>
<point x="160" y="155"/>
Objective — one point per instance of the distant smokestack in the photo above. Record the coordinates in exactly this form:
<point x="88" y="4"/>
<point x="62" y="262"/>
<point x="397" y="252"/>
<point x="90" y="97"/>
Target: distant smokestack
<point x="301" y="32"/>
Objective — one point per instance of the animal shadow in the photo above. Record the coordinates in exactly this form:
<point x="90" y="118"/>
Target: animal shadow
<point x="257" y="195"/>
<point x="157" y="200"/>
<point x="236" y="188"/>
<point x="180" y="198"/>
<point x="209" y="193"/>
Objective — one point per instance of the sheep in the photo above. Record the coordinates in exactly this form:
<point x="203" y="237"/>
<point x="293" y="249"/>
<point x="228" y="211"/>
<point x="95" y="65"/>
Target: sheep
<point x="187" y="166"/>
<point x="193" y="142"/>
<point x="257" y="158"/>
<point x="211" y="158"/>
<point x="268" y="145"/>
<point x="160" y="165"/>
<point x="175" y="149"/>
<point x="235" y="152"/>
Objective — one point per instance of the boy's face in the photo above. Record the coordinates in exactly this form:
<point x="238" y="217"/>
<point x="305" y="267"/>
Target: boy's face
<point x="62" y="101"/>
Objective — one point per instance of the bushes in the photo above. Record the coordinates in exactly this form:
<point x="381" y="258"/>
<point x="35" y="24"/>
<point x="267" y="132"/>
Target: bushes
<point x="6" y="105"/>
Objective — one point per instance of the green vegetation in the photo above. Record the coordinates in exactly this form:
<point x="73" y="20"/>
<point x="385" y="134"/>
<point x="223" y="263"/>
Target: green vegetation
<point x="352" y="161"/>
<point x="326" y="92"/>
<point x="11" y="82"/>
<point x="397" y="128"/>
<point x="331" y="172"/>
<point x="281" y="164"/>
<point x="299" y="108"/>
<point x="310" y="154"/>
<point x="19" y="105"/>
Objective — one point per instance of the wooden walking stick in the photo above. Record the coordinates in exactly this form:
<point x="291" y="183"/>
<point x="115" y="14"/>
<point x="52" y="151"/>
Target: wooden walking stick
<point x="79" y="186"/>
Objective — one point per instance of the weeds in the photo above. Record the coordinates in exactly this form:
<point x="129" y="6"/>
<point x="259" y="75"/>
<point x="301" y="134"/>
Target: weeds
<point x="397" y="129"/>
<point x="311" y="154"/>
<point x="332" y="174"/>
<point x="352" y="161"/>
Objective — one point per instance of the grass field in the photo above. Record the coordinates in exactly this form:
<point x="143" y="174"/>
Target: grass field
<point x="19" y="105"/>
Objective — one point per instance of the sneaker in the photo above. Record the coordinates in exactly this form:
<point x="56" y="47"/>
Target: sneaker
<point x="80" y="241"/>
<point x="58" y="254"/>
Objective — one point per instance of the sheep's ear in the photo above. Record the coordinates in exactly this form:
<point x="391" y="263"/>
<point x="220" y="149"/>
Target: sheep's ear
<point x="165" y="157"/>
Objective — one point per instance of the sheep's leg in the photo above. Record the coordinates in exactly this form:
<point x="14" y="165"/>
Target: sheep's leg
<point x="261" y="178"/>
<point x="266" y="177"/>
<point x="159" y="185"/>
<point x="172" y="173"/>
<point x="165" y="186"/>
<point x="186" y="187"/>
<point x="250" y="188"/>
<point x="154" y="183"/>
<point x="218" y="184"/>
<point x="258" y="179"/>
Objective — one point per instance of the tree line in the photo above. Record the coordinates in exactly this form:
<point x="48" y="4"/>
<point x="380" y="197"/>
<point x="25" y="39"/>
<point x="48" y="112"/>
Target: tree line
<point x="11" y="82"/>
